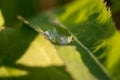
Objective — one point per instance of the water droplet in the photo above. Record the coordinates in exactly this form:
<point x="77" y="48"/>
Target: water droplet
<point x="56" y="36"/>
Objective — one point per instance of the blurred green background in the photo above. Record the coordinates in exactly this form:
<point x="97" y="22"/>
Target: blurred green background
<point x="28" y="8"/>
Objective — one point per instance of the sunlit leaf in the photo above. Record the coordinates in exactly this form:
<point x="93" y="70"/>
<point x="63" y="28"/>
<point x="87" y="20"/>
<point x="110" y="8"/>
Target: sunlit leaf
<point x="26" y="54"/>
<point x="1" y="19"/>
<point x="86" y="26"/>
<point x="29" y="56"/>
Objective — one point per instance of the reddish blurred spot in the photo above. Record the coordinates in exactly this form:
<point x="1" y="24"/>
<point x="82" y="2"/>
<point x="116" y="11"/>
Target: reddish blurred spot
<point x="47" y="4"/>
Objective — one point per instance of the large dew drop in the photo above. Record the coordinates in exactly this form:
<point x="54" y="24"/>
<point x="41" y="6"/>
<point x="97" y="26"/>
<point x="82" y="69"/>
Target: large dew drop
<point x="56" y="36"/>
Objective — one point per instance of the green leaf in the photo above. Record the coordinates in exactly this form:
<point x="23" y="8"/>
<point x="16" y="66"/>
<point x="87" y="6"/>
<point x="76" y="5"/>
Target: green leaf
<point x="86" y="26"/>
<point x="27" y="55"/>
<point x="97" y="33"/>
<point x="1" y="19"/>
<point x="110" y="56"/>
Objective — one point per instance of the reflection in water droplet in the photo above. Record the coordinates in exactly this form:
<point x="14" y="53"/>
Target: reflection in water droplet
<point x="56" y="37"/>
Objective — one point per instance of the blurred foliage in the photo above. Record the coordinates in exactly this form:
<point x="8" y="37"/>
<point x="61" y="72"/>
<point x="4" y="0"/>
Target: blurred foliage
<point x="115" y="5"/>
<point x="1" y="19"/>
<point x="26" y="8"/>
<point x="112" y="55"/>
<point x="115" y="9"/>
<point x="26" y="55"/>
<point x="9" y="11"/>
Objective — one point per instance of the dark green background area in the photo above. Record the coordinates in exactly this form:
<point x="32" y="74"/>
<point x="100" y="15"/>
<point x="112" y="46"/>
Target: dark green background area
<point x="29" y="8"/>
